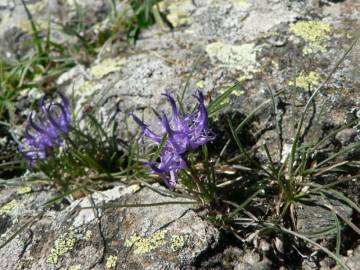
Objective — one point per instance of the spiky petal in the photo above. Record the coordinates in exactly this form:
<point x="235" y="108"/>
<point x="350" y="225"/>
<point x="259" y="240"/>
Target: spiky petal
<point x="183" y="133"/>
<point x="47" y="130"/>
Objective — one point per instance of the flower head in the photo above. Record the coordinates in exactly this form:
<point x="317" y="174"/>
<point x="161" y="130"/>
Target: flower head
<point x="46" y="130"/>
<point x="183" y="134"/>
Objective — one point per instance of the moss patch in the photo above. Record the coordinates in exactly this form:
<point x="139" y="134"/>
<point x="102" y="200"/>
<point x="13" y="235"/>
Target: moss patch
<point x="315" y="34"/>
<point x="6" y="208"/>
<point x="143" y="245"/>
<point x="306" y="80"/>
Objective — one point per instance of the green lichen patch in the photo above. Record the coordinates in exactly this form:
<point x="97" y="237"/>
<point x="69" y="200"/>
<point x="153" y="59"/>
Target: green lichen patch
<point x="177" y="242"/>
<point x="236" y="3"/>
<point x="88" y="235"/>
<point x="177" y="14"/>
<point x="24" y="190"/>
<point x="6" y="208"/>
<point x="62" y="245"/>
<point x="37" y="7"/>
<point x="111" y="262"/>
<point x="235" y="92"/>
<point x="143" y="245"/>
<point x="315" y="34"/>
<point x="200" y="84"/>
<point x="306" y="80"/>
<point x="75" y="267"/>
<point x="88" y="87"/>
<point x="26" y="26"/>
<point x="241" y="57"/>
<point x="106" y="67"/>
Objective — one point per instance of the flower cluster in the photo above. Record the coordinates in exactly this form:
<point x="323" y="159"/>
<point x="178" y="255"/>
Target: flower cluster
<point x="183" y="134"/>
<point x="47" y="130"/>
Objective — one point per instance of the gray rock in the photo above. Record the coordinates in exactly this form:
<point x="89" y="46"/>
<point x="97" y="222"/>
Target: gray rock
<point x="346" y="136"/>
<point x="14" y="21"/>
<point x="160" y="237"/>
<point x="353" y="261"/>
<point x="253" y="261"/>
<point x="123" y="85"/>
<point x="239" y="40"/>
<point x="314" y="215"/>
<point x="233" y="21"/>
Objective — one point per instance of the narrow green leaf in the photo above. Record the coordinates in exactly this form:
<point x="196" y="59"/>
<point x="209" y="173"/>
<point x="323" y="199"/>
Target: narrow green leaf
<point x="213" y="106"/>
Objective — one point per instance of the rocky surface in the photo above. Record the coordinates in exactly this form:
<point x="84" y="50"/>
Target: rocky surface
<point x="353" y="260"/>
<point x="169" y="236"/>
<point x="297" y="45"/>
<point x="290" y="45"/>
<point x="313" y="209"/>
<point x="15" y="28"/>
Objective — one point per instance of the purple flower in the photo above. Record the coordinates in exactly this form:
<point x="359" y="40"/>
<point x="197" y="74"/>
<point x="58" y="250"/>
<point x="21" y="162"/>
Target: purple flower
<point x="183" y="134"/>
<point x="47" y="130"/>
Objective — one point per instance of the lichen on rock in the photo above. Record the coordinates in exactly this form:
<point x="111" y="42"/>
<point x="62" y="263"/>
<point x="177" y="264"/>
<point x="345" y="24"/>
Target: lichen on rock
<point x="24" y="190"/>
<point x="179" y="12"/>
<point x="75" y="267"/>
<point x="37" y="7"/>
<point x="143" y="245"/>
<point x="233" y="2"/>
<point x="62" y="245"/>
<point x="111" y="262"/>
<point x="241" y="57"/>
<point x="88" y="235"/>
<point x="6" y="209"/>
<point x="314" y="33"/>
<point x="26" y="26"/>
<point x="306" y="80"/>
<point x="105" y="67"/>
<point x="177" y="242"/>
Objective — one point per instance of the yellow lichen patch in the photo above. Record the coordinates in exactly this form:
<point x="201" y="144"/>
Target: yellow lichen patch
<point x="74" y="3"/>
<point x="177" y="14"/>
<point x="111" y="262"/>
<point x="88" y="235"/>
<point x="177" y="242"/>
<point x="88" y="86"/>
<point x="37" y="7"/>
<point x="62" y="245"/>
<point x="75" y="267"/>
<point x="24" y="190"/>
<point x="245" y="77"/>
<point x="144" y="245"/>
<point x="241" y="57"/>
<point x="239" y="2"/>
<point x="200" y="84"/>
<point x="315" y="33"/>
<point x="235" y="92"/>
<point x="306" y="80"/>
<point x="27" y="28"/>
<point x="107" y="66"/>
<point x="6" y="209"/>
<point x="236" y="3"/>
